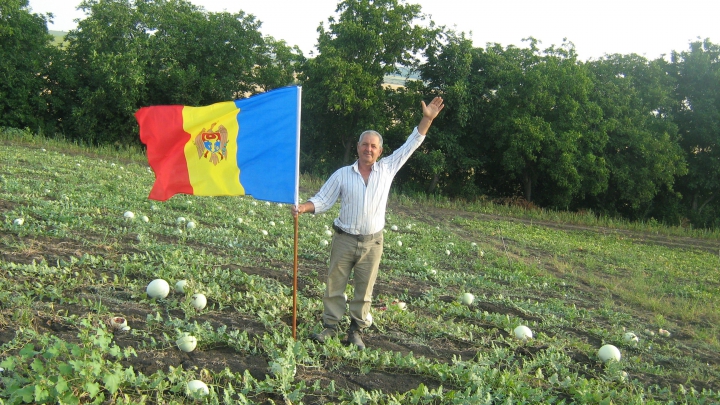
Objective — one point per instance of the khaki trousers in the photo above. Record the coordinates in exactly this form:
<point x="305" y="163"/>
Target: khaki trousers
<point x="349" y="255"/>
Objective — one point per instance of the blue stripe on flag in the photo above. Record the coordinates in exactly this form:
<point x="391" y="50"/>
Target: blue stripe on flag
<point x="268" y="144"/>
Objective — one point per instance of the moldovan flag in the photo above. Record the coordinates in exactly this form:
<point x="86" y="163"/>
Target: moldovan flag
<point x="242" y="147"/>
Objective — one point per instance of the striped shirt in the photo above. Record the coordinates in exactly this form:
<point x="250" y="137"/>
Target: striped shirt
<point x="362" y="208"/>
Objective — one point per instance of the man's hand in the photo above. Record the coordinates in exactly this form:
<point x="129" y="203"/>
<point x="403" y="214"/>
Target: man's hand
<point x="302" y="208"/>
<point x="430" y="111"/>
<point x="433" y="109"/>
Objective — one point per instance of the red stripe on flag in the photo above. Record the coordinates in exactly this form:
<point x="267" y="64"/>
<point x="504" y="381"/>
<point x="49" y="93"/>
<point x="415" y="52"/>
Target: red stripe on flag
<point x="161" y="129"/>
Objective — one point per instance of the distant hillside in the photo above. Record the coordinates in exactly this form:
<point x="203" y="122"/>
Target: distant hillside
<point x="399" y="79"/>
<point x="59" y="36"/>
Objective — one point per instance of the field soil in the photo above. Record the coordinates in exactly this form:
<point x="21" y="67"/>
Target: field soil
<point x="217" y="359"/>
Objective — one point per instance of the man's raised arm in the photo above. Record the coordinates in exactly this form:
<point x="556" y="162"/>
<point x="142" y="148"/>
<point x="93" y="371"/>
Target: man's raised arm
<point x="430" y="111"/>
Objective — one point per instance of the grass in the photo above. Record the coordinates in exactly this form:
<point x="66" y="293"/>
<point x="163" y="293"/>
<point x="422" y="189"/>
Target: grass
<point x="577" y="281"/>
<point x="520" y="210"/>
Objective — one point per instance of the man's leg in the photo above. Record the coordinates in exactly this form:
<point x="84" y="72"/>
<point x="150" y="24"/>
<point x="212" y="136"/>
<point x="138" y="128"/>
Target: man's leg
<point x="342" y="260"/>
<point x="365" y="274"/>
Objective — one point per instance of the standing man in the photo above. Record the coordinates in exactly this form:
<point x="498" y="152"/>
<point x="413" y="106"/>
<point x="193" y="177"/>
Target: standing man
<point x="357" y="244"/>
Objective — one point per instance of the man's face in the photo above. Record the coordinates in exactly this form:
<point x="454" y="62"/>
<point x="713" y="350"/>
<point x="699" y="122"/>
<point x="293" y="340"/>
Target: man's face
<point x="369" y="149"/>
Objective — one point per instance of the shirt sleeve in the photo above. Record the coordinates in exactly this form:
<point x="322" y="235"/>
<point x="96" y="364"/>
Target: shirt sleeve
<point x="397" y="159"/>
<point x="328" y="194"/>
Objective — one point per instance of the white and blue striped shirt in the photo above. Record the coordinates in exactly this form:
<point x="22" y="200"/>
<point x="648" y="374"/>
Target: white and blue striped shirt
<point x="362" y="207"/>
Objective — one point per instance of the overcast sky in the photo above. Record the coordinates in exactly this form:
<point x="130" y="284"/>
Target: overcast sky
<point x="648" y="28"/>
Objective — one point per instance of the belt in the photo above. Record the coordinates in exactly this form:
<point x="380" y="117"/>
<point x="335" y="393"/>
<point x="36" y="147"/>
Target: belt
<point x="361" y="238"/>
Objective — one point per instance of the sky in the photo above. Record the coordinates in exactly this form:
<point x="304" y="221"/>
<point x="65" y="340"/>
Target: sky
<point x="647" y="28"/>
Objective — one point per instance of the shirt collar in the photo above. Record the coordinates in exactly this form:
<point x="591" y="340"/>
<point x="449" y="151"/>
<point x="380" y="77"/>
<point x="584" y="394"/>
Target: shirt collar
<point x="355" y="166"/>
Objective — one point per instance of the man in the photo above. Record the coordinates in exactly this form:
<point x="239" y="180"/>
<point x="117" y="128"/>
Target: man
<point x="357" y="244"/>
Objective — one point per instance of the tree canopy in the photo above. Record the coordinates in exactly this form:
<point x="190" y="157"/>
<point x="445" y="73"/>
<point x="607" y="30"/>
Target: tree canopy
<point x="697" y="115"/>
<point x="25" y="55"/>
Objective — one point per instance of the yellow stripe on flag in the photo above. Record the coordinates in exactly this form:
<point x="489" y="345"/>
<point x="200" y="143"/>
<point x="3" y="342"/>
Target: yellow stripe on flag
<point x="211" y="152"/>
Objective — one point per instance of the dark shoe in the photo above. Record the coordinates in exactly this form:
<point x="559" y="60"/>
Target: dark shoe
<point x="355" y="339"/>
<point x="327" y="333"/>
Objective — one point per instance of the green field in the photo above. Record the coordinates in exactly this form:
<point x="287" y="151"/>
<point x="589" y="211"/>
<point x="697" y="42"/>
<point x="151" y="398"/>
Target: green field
<point x="70" y="261"/>
<point x="58" y="36"/>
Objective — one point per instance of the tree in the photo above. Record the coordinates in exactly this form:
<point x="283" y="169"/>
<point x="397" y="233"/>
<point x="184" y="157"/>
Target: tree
<point x="643" y="152"/>
<point x="343" y="85"/>
<point x="697" y="115"/>
<point x="105" y="73"/>
<point x="201" y="58"/>
<point x="277" y="64"/>
<point x="542" y="135"/>
<point x="127" y="54"/>
<point x="449" y="159"/>
<point x="26" y="52"/>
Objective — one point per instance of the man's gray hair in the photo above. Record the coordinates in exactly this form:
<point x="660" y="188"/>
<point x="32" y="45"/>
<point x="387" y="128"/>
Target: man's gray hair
<point x="371" y="132"/>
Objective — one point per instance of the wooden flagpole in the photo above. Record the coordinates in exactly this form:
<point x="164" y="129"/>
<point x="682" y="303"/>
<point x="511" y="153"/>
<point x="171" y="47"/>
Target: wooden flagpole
<point x="295" y="278"/>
